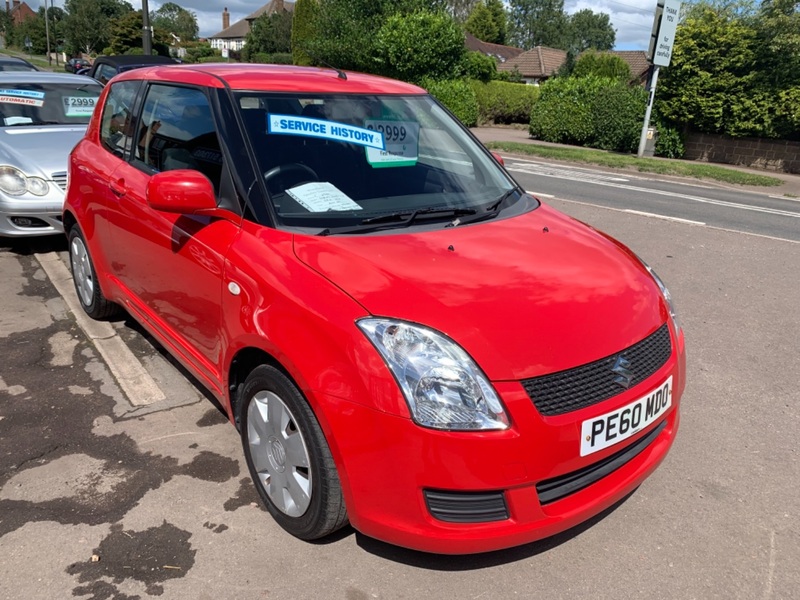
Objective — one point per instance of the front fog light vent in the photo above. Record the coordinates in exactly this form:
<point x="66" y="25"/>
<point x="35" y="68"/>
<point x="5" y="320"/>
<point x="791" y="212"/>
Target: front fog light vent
<point x="466" y="507"/>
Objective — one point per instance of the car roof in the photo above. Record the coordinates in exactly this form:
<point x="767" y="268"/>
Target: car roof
<point x="122" y="60"/>
<point x="43" y="77"/>
<point x="15" y="60"/>
<point x="276" y="78"/>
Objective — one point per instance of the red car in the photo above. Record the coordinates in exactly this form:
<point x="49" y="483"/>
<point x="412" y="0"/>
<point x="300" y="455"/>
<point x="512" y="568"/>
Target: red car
<point x="405" y="338"/>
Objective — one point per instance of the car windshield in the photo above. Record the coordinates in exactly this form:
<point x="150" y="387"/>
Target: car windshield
<point x="362" y="162"/>
<point x="47" y="103"/>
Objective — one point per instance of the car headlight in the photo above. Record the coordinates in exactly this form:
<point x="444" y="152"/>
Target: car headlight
<point x="15" y="183"/>
<point x="443" y="386"/>
<point x="665" y="293"/>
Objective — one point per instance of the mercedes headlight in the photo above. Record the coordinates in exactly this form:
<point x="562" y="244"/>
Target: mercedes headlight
<point x="443" y="386"/>
<point x="15" y="183"/>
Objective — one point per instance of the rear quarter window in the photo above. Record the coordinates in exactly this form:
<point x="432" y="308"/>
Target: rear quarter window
<point x="117" y="123"/>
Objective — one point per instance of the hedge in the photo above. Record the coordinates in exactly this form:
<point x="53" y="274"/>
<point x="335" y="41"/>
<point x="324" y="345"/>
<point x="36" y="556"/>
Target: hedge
<point x="618" y="113"/>
<point x="458" y="96"/>
<point x="563" y="113"/>
<point x="501" y="102"/>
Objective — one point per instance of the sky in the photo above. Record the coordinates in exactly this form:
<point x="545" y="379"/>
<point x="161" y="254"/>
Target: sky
<point x="632" y="19"/>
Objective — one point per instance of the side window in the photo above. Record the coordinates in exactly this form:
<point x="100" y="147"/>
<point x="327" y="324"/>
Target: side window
<point x="177" y="132"/>
<point x="117" y="125"/>
<point x="104" y="73"/>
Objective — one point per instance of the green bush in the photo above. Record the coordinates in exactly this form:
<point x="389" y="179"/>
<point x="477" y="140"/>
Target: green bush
<point x="618" y="113"/>
<point x="669" y="143"/>
<point x="478" y="66"/>
<point x="563" y="113"/>
<point x="210" y="59"/>
<point x="422" y="44"/>
<point x="281" y="58"/>
<point x="458" y="96"/>
<point x="602" y="64"/>
<point x="501" y="102"/>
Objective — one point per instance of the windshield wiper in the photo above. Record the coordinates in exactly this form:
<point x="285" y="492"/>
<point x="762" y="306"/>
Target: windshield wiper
<point x="489" y="212"/>
<point x="34" y="123"/>
<point x="399" y="219"/>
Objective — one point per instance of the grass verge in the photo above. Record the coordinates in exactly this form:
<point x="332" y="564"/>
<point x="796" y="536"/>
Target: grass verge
<point x="644" y="165"/>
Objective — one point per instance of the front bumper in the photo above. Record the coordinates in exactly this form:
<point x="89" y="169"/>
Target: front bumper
<point x="391" y="469"/>
<point x="26" y="217"/>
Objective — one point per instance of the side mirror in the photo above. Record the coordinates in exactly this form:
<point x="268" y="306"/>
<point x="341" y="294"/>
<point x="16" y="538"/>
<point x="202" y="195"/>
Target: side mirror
<point x="499" y="158"/>
<point x="182" y="191"/>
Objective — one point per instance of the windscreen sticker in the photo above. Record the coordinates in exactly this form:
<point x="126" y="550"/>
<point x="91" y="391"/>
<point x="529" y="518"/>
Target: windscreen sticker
<point x="322" y="196"/>
<point x="24" y="97"/>
<point x="17" y="120"/>
<point x="23" y="94"/>
<point x="79" y="106"/>
<point x="328" y="130"/>
<point x="402" y="143"/>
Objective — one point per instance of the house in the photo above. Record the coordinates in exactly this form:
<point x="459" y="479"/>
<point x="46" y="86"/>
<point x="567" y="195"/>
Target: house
<point x="497" y="51"/>
<point x="637" y="61"/>
<point x="232" y="37"/>
<point x="19" y="11"/>
<point x="535" y="65"/>
<point x="540" y="63"/>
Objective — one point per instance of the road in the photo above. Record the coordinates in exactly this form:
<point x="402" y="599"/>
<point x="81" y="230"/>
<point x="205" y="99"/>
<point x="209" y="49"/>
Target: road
<point x="158" y="494"/>
<point x="713" y="206"/>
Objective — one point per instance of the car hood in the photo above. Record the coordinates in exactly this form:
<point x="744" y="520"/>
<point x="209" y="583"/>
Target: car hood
<point x="524" y="296"/>
<point x="39" y="150"/>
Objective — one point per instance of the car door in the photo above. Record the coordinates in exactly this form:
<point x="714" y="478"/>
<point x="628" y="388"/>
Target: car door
<point x="171" y="265"/>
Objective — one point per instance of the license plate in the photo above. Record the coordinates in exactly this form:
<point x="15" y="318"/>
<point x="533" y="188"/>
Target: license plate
<point x="612" y="428"/>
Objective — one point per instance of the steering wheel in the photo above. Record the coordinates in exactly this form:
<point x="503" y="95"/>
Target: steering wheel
<point x="300" y="171"/>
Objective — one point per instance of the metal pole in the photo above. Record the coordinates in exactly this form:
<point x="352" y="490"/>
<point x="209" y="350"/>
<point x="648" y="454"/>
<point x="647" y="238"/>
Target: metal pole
<point x="55" y="32"/>
<point x="646" y="125"/>
<point x="47" y="34"/>
<point x="147" y="44"/>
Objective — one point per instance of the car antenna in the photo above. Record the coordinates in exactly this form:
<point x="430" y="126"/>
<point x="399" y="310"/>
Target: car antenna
<point x="339" y="73"/>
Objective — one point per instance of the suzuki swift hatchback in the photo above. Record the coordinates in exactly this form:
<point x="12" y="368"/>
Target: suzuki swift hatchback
<point x="404" y="337"/>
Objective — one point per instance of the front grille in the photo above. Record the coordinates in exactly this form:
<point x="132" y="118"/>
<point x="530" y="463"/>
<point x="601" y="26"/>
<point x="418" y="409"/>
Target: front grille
<point x="557" y="488"/>
<point x="60" y="179"/>
<point x="583" y="386"/>
<point x="466" y="507"/>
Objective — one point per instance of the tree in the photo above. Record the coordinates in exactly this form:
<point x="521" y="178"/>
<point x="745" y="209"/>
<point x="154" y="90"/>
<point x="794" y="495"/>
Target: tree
<point x="487" y="22"/>
<point x="602" y="64"/>
<point x="778" y="49"/>
<point x="591" y="30"/>
<point x="304" y="27"/>
<point x="713" y="69"/>
<point x="437" y="43"/>
<point x="176" y="20"/>
<point x="269" y="34"/>
<point x="126" y="36"/>
<point x="539" y="23"/>
<point x="344" y="31"/>
<point x="87" y="24"/>
<point x="500" y="17"/>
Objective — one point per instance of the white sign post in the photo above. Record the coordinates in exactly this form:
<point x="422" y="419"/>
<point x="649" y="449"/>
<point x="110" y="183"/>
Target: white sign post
<point x="661" y="42"/>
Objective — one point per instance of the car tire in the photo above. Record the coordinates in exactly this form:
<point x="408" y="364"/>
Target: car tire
<point x="91" y="297"/>
<point x="288" y="457"/>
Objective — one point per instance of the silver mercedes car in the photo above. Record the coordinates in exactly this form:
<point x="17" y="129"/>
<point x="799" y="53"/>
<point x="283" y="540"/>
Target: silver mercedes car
<point x="42" y="117"/>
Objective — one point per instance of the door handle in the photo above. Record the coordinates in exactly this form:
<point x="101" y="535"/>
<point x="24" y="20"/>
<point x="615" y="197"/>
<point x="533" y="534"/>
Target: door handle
<point x="118" y="187"/>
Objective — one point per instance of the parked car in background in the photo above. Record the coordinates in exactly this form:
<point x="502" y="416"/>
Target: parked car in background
<point x="13" y="63"/>
<point x="405" y="338"/>
<point x="105" y="67"/>
<point x="73" y="65"/>
<point x="42" y="116"/>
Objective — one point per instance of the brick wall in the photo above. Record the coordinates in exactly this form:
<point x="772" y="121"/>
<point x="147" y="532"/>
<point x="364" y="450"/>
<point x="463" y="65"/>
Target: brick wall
<point x="772" y="155"/>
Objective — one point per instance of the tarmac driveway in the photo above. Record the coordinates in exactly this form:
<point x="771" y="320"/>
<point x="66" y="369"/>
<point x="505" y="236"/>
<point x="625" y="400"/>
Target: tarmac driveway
<point x="102" y="499"/>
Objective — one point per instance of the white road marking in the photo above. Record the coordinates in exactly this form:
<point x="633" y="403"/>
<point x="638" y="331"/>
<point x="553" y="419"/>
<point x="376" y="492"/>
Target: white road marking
<point x="739" y="231"/>
<point x="665" y="217"/>
<point x="538" y="195"/>
<point x="607" y="182"/>
<point x="136" y="383"/>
